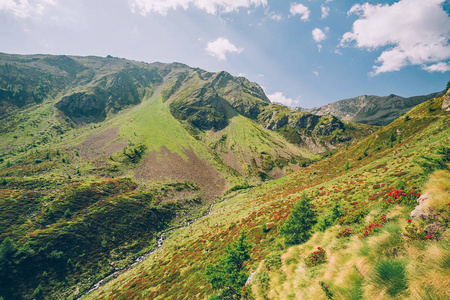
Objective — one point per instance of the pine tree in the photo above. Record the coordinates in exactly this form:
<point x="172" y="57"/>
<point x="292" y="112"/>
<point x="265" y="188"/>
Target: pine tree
<point x="297" y="228"/>
<point x="229" y="274"/>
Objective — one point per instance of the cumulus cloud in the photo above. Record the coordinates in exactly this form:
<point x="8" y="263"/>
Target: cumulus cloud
<point x="325" y="11"/>
<point x="220" y="47"/>
<point x="319" y="35"/>
<point x="278" y="97"/>
<point x="25" y="8"/>
<point x="439" y="67"/>
<point x="210" y="6"/>
<point x="416" y="32"/>
<point x="300" y="9"/>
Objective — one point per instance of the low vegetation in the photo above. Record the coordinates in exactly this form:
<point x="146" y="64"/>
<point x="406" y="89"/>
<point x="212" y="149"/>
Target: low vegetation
<point x="81" y="198"/>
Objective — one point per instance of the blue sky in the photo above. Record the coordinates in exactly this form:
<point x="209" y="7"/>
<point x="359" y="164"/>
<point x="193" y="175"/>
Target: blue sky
<point x="303" y="53"/>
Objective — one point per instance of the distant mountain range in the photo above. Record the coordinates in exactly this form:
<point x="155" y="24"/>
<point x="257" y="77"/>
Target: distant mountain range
<point x="369" y="109"/>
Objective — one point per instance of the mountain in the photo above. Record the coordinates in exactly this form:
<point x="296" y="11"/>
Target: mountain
<point x="362" y="245"/>
<point x="99" y="156"/>
<point x="101" y="159"/>
<point x="372" y="110"/>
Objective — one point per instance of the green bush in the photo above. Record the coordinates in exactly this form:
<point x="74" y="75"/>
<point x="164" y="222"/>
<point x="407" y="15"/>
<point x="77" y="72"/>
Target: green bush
<point x="273" y="261"/>
<point x="263" y="281"/>
<point x="325" y="221"/>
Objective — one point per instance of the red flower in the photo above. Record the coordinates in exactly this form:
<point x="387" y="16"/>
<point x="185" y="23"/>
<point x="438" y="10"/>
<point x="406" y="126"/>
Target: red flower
<point x="409" y="220"/>
<point x="428" y="236"/>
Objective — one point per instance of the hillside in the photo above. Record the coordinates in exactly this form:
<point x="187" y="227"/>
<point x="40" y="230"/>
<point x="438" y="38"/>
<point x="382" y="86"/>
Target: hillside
<point x="372" y="110"/>
<point x="99" y="156"/>
<point x="373" y="248"/>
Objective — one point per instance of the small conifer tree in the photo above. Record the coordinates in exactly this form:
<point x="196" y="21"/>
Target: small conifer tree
<point x="297" y="228"/>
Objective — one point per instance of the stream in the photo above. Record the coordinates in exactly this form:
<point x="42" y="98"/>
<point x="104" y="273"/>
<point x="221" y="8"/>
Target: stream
<point x="159" y="243"/>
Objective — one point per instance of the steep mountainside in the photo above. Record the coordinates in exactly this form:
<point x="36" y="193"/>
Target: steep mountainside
<point x="361" y="241"/>
<point x="372" y="110"/>
<point x="98" y="156"/>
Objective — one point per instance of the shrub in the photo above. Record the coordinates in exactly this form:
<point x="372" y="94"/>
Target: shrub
<point x="38" y="294"/>
<point x="326" y="289"/>
<point x="273" y="261"/>
<point x="344" y="233"/>
<point x="413" y="232"/>
<point x="347" y="166"/>
<point x="67" y="214"/>
<point x="399" y="196"/>
<point x="352" y="218"/>
<point x="316" y="258"/>
<point x="373" y="227"/>
<point x="263" y="280"/>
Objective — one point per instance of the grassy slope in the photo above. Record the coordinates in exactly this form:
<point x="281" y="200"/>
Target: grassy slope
<point x="36" y="177"/>
<point x="175" y="271"/>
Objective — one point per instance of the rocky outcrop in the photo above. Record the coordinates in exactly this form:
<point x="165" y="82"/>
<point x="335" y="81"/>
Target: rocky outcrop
<point x="84" y="107"/>
<point x="446" y="102"/>
<point x="369" y="109"/>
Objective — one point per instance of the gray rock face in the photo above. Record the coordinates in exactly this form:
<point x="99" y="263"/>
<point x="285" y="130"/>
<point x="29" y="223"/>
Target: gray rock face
<point x="369" y="109"/>
<point x="420" y="210"/>
<point x="446" y="103"/>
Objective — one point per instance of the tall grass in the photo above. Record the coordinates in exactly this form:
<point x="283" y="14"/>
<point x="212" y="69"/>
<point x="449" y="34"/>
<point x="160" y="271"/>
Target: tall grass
<point x="390" y="274"/>
<point x="438" y="187"/>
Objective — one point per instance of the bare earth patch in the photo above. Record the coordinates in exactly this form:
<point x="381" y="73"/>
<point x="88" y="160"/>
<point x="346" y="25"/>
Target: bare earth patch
<point x="166" y="165"/>
<point x="230" y="159"/>
<point x="101" y="144"/>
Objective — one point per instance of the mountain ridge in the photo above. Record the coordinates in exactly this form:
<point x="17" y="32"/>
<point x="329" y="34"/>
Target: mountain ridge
<point x="371" y="109"/>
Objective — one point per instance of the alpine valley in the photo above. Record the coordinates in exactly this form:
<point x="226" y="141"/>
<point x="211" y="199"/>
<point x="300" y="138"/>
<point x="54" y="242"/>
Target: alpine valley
<point x="187" y="184"/>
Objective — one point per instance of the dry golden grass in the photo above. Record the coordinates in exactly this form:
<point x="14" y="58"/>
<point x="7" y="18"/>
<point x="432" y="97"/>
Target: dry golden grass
<point x="350" y="265"/>
<point x="429" y="270"/>
<point x="438" y="189"/>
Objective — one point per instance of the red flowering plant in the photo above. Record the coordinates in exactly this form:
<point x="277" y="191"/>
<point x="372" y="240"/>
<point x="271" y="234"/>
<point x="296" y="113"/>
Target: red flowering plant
<point x="422" y="231"/>
<point x="326" y="289"/>
<point x="373" y="226"/>
<point x="316" y="258"/>
<point x="344" y="233"/>
<point x="398" y="196"/>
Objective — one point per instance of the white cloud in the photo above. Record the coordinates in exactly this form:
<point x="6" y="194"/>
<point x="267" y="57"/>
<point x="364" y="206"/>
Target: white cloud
<point x="300" y="9"/>
<point x="220" y="47"/>
<point x="241" y="75"/>
<point x="278" y="97"/>
<point x="210" y="6"/>
<point x="319" y="35"/>
<point x="325" y="11"/>
<point x="25" y="8"/>
<point x="316" y="73"/>
<point x="417" y="32"/>
<point x="276" y="17"/>
<point x="439" y="67"/>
